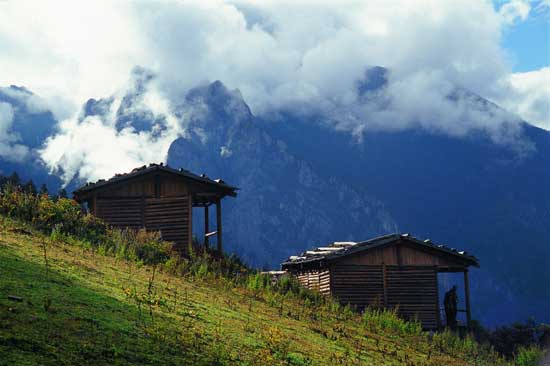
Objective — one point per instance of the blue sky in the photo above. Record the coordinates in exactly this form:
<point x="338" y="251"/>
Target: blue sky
<point x="528" y="44"/>
<point x="528" y="41"/>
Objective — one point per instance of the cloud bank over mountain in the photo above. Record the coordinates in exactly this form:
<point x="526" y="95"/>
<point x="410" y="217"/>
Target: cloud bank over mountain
<point x="107" y="137"/>
<point x="16" y="139"/>
<point x="528" y="95"/>
<point x="278" y="54"/>
<point x="9" y="148"/>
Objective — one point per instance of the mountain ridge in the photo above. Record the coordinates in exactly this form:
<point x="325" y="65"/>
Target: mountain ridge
<point x="306" y="183"/>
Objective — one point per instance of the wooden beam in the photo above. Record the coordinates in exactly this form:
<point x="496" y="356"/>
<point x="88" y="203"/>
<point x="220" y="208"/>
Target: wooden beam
<point x="467" y="298"/>
<point x="219" y="224"/>
<point x="206" y="229"/>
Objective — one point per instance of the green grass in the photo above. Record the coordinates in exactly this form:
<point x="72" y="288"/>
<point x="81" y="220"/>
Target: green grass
<point x="90" y="309"/>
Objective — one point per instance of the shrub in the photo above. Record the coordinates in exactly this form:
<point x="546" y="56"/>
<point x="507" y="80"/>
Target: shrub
<point x="62" y="215"/>
<point x="149" y="247"/>
<point x="289" y="285"/>
<point x="509" y="339"/>
<point x="529" y="356"/>
<point x="387" y="320"/>
<point x="141" y="245"/>
<point x="258" y="281"/>
<point x="63" y="219"/>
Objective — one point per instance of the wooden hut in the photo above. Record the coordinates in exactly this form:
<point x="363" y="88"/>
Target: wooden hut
<point x="157" y="198"/>
<point x="392" y="271"/>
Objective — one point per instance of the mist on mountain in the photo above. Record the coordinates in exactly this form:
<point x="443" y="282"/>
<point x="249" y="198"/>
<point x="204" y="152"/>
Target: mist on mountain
<point x="468" y="174"/>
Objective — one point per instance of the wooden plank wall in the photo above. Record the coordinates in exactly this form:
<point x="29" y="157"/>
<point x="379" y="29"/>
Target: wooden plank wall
<point x="303" y="278"/>
<point x="315" y="280"/>
<point x="413" y="290"/>
<point x="121" y="212"/>
<point x="171" y="215"/>
<point x="324" y="282"/>
<point x="401" y="253"/>
<point x="132" y="188"/>
<point x="358" y="285"/>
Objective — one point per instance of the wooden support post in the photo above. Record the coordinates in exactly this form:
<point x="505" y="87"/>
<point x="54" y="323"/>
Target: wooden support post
<point x="467" y="298"/>
<point x="385" y="284"/>
<point x="206" y="230"/>
<point x="189" y="223"/>
<point x="438" y="313"/>
<point x="219" y="223"/>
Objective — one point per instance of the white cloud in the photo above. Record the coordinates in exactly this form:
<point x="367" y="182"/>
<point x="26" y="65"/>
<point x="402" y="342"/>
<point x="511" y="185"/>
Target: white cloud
<point x="32" y="102"/>
<point x="543" y="6"/>
<point x="94" y="150"/>
<point x="281" y="52"/>
<point x="10" y="150"/>
<point x="70" y="48"/>
<point x="528" y="95"/>
<point x="272" y="51"/>
<point x="94" y="147"/>
<point x="277" y="53"/>
<point x="515" y="11"/>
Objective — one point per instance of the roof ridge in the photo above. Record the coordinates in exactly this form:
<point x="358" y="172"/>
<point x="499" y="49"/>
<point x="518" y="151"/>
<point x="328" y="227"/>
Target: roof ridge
<point x="152" y="167"/>
<point x="339" y="249"/>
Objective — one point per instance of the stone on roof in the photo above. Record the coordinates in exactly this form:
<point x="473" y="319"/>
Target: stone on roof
<point x="218" y="183"/>
<point x="340" y="249"/>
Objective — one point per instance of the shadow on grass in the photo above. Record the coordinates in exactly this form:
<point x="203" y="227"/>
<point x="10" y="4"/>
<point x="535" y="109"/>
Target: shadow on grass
<point x="60" y="321"/>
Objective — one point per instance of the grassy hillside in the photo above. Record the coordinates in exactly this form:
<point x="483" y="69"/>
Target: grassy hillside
<point x="74" y="291"/>
<point x="87" y="308"/>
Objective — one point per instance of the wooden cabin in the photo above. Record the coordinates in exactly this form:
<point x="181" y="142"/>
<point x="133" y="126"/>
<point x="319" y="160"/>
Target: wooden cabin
<point x="157" y="198"/>
<point x="392" y="271"/>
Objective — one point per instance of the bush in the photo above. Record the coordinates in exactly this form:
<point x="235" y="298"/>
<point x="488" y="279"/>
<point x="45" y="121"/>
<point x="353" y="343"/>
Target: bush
<point x="288" y="284"/>
<point x="62" y="215"/>
<point x="147" y="247"/>
<point x="529" y="356"/>
<point x="258" y="281"/>
<point x="387" y="320"/>
<point x="63" y="219"/>
<point x="508" y="340"/>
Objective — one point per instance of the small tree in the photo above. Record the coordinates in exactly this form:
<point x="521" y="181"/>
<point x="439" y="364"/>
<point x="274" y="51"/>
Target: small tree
<point x="29" y="187"/>
<point x="43" y="189"/>
<point x="62" y="193"/>
<point x="14" y="179"/>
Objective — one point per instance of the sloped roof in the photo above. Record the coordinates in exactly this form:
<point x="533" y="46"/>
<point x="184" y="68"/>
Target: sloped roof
<point x="338" y="250"/>
<point x="216" y="183"/>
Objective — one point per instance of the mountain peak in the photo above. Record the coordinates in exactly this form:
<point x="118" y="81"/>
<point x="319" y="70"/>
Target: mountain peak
<point x="217" y="87"/>
<point x="140" y="77"/>
<point x="213" y="93"/>
<point x="374" y="79"/>
<point x="21" y="89"/>
<point x="222" y="104"/>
